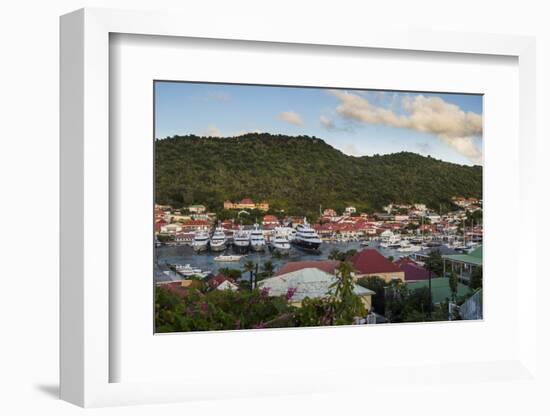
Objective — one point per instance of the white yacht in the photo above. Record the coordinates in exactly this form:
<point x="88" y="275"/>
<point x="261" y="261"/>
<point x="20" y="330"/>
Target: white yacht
<point x="280" y="243"/>
<point x="200" y="242"/>
<point x="218" y="241"/>
<point x="306" y="237"/>
<point x="287" y="232"/>
<point x="390" y="240"/>
<point x="257" y="240"/>
<point x="188" y="271"/>
<point x="407" y="247"/>
<point x="228" y="258"/>
<point x="241" y="241"/>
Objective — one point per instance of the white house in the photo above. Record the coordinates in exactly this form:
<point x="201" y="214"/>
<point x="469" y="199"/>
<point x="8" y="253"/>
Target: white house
<point x="308" y="282"/>
<point x="350" y="210"/>
<point x="171" y="228"/>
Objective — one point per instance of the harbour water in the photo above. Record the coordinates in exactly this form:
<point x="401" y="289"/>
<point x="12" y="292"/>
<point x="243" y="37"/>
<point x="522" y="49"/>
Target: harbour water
<point x="184" y="254"/>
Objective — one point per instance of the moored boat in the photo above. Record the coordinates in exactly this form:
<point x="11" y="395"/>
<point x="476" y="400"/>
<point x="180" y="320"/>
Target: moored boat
<point x="228" y="258"/>
<point x="280" y="244"/>
<point x="200" y="242"/>
<point x="257" y="240"/>
<point x="241" y="241"/>
<point x="218" y="242"/>
<point x="306" y="237"/>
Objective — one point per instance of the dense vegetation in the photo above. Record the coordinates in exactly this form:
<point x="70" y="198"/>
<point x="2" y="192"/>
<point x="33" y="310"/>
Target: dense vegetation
<point x="206" y="309"/>
<point x="297" y="174"/>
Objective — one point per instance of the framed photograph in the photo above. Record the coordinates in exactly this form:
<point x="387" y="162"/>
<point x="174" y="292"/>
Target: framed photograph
<point x="345" y="207"/>
<point x="305" y="196"/>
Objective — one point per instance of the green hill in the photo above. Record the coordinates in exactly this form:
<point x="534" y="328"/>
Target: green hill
<point x="300" y="173"/>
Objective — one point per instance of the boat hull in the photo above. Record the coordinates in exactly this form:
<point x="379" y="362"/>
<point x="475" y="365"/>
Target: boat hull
<point x="241" y="248"/>
<point x="220" y="247"/>
<point x="258" y="247"/>
<point x="306" y="245"/>
<point x="200" y="248"/>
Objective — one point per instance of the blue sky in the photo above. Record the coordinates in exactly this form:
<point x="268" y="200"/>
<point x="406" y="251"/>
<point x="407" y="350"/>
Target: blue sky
<point x="357" y="122"/>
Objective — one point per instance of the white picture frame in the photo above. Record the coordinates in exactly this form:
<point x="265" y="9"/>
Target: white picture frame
<point x="86" y="356"/>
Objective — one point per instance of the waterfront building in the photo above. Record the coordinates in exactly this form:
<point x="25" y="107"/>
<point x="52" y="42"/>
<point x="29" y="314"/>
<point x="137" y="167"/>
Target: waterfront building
<point x="184" y="238"/>
<point x="196" y="225"/>
<point x="370" y="262"/>
<point x="270" y="220"/>
<point x="171" y="228"/>
<point x="159" y="224"/>
<point x="463" y="264"/>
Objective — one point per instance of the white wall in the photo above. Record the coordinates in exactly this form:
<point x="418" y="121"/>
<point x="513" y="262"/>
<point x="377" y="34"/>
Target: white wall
<point x="29" y="180"/>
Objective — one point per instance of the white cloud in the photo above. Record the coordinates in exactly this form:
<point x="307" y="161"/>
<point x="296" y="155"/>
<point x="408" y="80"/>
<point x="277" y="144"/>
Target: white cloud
<point x="291" y="117"/>
<point x="432" y="115"/>
<point x="350" y="149"/>
<point x="243" y="132"/>
<point x="212" y="131"/>
<point x="327" y="122"/>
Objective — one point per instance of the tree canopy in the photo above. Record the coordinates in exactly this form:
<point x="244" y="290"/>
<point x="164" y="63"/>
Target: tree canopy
<point x="298" y="174"/>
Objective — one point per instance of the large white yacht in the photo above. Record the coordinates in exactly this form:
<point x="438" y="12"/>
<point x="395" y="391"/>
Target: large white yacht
<point x="218" y="241"/>
<point x="280" y="243"/>
<point x="306" y="237"/>
<point x="257" y="241"/>
<point x="241" y="241"/>
<point x="200" y="242"/>
<point x="390" y="240"/>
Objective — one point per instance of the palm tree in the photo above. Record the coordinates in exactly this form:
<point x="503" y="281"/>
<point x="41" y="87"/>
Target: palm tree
<point x="268" y="268"/>
<point x="453" y="285"/>
<point x="249" y="267"/>
<point x="346" y="305"/>
<point x="334" y="254"/>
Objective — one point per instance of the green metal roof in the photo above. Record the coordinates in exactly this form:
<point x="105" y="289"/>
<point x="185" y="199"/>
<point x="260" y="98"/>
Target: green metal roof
<point x="440" y="288"/>
<point x="475" y="257"/>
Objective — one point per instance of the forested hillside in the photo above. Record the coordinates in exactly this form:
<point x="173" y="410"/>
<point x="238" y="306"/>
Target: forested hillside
<point x="298" y="174"/>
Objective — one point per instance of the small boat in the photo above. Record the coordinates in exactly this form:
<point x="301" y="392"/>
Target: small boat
<point x="228" y="258"/>
<point x="407" y="247"/>
<point x="188" y="271"/>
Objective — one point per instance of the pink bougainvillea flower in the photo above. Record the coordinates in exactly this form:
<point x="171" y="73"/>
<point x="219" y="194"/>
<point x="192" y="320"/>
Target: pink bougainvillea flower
<point x="290" y="292"/>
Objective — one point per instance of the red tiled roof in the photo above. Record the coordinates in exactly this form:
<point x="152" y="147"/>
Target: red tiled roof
<point x="247" y="201"/>
<point x="217" y="280"/>
<point x="176" y="288"/>
<point x="370" y="261"/>
<point x="414" y="272"/>
<point x="404" y="260"/>
<point x="196" y="222"/>
<point x="325" y="265"/>
<point x="271" y="218"/>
